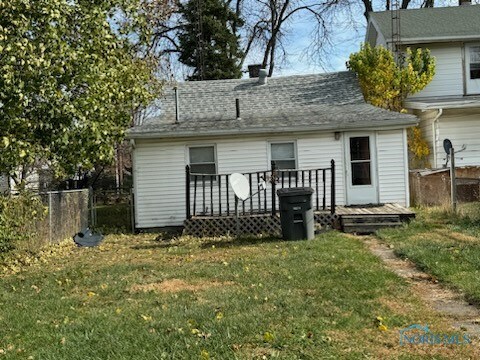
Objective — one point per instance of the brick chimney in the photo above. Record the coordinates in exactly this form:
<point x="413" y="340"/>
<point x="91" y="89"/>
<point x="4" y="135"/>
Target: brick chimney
<point x="254" y="70"/>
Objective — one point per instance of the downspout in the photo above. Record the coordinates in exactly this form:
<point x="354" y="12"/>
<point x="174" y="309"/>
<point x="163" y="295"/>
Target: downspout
<point x="434" y="135"/>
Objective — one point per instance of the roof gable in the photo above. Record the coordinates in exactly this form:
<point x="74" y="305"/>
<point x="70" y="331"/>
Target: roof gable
<point x="431" y="24"/>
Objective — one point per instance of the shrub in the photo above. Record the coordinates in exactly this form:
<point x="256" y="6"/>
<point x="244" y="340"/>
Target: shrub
<point x="19" y="215"/>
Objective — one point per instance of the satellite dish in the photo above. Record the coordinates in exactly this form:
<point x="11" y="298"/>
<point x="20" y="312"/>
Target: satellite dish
<point x="240" y="186"/>
<point x="447" y="145"/>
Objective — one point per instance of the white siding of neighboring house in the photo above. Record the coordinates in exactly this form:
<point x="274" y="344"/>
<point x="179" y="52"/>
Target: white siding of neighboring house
<point x="159" y="169"/>
<point x="448" y="79"/>
<point x="392" y="167"/>
<point x="426" y="127"/>
<point x="461" y="129"/>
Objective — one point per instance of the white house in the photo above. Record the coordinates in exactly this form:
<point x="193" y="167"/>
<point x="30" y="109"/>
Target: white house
<point x="300" y="122"/>
<point x="449" y="107"/>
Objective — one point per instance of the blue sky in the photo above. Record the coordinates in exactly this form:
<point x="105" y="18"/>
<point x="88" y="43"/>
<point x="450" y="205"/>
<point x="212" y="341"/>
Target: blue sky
<point x="345" y="38"/>
<point x="345" y="41"/>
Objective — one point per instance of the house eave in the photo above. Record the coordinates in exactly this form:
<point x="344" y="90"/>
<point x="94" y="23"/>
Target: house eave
<point x="277" y="131"/>
<point x="445" y="104"/>
<point x="436" y="39"/>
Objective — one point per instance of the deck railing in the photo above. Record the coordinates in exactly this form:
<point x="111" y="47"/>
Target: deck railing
<point x="211" y="195"/>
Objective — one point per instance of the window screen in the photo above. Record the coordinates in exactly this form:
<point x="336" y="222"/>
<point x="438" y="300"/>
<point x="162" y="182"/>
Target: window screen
<point x="284" y="155"/>
<point x="202" y="160"/>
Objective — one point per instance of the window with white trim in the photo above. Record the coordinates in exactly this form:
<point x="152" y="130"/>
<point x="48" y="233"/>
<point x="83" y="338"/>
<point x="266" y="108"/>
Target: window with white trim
<point x="284" y="155"/>
<point x="474" y="62"/>
<point x="202" y="159"/>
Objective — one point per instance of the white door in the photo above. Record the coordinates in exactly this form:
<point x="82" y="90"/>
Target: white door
<point x="472" y="73"/>
<point x="361" y="166"/>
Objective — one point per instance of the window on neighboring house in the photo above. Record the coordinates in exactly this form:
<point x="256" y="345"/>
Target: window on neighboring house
<point x="475" y="62"/>
<point x="202" y="159"/>
<point x="284" y="155"/>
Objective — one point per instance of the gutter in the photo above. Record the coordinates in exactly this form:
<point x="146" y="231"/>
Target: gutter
<point x="433" y="39"/>
<point x="461" y="104"/>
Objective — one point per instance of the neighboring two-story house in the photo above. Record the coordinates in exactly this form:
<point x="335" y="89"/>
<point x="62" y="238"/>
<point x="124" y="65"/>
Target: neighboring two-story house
<point x="449" y="107"/>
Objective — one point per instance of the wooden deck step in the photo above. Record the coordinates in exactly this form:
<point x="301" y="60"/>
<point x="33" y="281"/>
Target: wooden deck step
<point x="368" y="223"/>
<point x="351" y="219"/>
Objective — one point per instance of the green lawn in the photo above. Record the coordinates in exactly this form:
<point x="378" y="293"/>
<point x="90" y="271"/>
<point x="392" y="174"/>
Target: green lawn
<point x="445" y="245"/>
<point x="137" y="297"/>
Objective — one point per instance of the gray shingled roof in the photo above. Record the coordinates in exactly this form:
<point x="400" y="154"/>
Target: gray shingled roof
<point x="285" y="104"/>
<point x="447" y="23"/>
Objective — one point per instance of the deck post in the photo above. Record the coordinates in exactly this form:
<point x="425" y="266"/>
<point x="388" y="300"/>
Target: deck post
<point x="187" y="191"/>
<point x="332" y="189"/>
<point x="274" y="189"/>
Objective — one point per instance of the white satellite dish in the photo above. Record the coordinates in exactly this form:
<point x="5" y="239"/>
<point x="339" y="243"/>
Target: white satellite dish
<point x="240" y="186"/>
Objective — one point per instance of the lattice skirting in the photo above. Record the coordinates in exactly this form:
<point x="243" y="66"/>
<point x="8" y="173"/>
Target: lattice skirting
<point x="247" y="225"/>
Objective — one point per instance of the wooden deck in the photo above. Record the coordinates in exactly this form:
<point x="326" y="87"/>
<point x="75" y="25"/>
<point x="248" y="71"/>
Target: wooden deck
<point x="353" y="219"/>
<point x="370" y="218"/>
<point x="384" y="209"/>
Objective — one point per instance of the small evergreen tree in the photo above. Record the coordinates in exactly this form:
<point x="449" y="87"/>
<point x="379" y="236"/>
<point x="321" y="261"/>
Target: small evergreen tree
<point x="207" y="41"/>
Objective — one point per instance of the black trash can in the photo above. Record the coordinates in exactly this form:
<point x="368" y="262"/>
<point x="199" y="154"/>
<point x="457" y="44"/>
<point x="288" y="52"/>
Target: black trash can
<point x="296" y="213"/>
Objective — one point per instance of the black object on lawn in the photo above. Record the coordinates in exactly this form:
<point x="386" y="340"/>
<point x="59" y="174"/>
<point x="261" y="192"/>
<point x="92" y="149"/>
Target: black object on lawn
<point x="86" y="238"/>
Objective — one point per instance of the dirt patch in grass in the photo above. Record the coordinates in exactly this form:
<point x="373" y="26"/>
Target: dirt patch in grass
<point x="176" y="285"/>
<point x="398" y="307"/>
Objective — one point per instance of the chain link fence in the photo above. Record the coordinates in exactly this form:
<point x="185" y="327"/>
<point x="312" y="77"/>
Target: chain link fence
<point x="112" y="210"/>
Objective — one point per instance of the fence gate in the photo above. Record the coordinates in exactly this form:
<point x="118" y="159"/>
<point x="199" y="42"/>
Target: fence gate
<point x="112" y="210"/>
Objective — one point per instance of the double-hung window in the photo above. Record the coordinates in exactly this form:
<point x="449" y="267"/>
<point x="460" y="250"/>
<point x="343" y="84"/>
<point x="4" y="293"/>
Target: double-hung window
<point x="472" y="62"/>
<point x="284" y="155"/>
<point x="202" y="159"/>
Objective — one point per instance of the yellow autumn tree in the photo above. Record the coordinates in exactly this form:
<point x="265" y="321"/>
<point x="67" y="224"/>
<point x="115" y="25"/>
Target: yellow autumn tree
<point x="386" y="84"/>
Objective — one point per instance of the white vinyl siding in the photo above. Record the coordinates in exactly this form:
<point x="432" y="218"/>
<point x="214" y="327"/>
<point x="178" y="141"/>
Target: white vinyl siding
<point x="392" y="167"/>
<point x="461" y="130"/>
<point x="159" y="169"/>
<point x="426" y="127"/>
<point x="448" y="79"/>
<point x="159" y="183"/>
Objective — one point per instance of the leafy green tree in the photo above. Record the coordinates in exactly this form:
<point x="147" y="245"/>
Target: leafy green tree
<point x="386" y="84"/>
<point x="70" y="80"/>
<point x="207" y="40"/>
